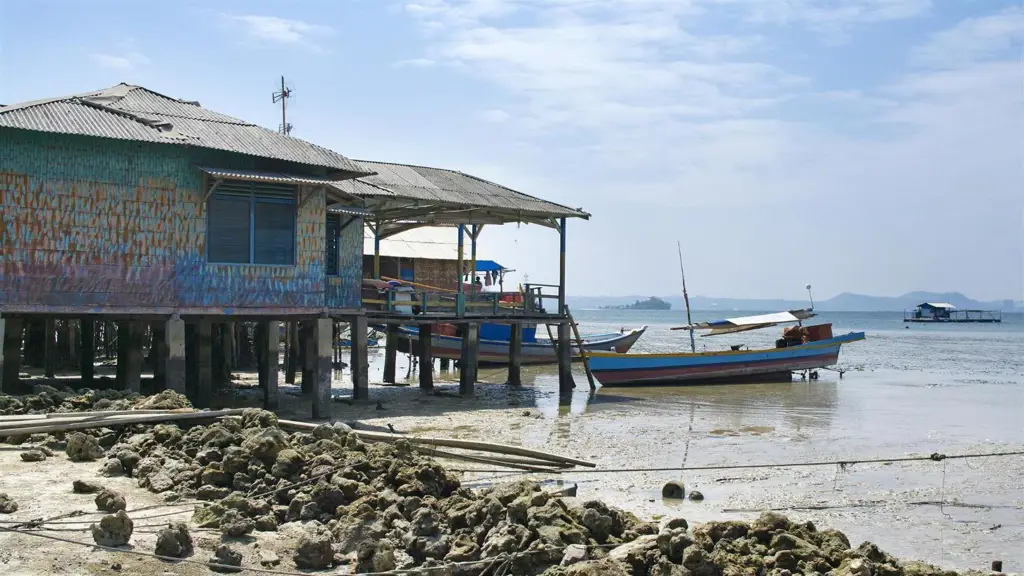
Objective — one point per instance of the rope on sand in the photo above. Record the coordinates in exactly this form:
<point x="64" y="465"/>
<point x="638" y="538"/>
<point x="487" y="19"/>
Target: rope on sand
<point x="935" y="457"/>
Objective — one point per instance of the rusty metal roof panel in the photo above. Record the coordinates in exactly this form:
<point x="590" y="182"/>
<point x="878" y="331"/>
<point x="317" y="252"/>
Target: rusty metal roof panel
<point x="128" y="112"/>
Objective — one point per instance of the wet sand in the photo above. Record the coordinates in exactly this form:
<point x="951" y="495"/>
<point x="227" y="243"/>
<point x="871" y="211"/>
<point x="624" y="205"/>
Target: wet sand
<point x="908" y="393"/>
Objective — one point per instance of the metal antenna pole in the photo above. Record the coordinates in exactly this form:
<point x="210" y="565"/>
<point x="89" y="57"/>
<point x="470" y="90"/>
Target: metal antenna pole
<point x="281" y="97"/>
<point x="686" y="298"/>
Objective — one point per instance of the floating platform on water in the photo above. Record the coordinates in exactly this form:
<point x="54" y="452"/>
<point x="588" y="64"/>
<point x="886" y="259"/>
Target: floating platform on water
<point x="942" y="312"/>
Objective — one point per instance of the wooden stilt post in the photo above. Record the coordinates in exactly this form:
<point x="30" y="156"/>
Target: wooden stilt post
<point x="158" y="353"/>
<point x="191" y="361"/>
<point x="260" y="338"/>
<point x="292" y="352"/>
<point x="308" y="357"/>
<point x="469" y="359"/>
<point x="515" y="355"/>
<point x="426" y="356"/>
<point x="460" y="296"/>
<point x="174" y="348"/>
<point x="445" y="364"/>
<point x="390" y="353"/>
<point x="11" y="359"/>
<point x="561" y="266"/>
<point x="123" y="350"/>
<point x="88" y="352"/>
<point x="359" y="362"/>
<point x="270" y="345"/>
<point x="565" y="382"/>
<point x="49" y="347"/>
<point x="133" y="368"/>
<point x="204" y="365"/>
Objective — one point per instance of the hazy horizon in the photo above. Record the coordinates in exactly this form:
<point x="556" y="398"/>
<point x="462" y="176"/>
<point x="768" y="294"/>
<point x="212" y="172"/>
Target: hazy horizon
<point x="871" y="147"/>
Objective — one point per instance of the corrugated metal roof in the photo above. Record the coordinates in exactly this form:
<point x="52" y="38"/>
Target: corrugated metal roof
<point x="135" y="113"/>
<point x="448" y="187"/>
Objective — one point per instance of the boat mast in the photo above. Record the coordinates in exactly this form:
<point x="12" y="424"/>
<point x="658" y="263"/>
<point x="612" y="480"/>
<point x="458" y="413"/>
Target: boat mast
<point x="686" y="298"/>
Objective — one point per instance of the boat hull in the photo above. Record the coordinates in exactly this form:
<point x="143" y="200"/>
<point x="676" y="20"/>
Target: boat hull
<point x="495" y="352"/>
<point x="716" y="367"/>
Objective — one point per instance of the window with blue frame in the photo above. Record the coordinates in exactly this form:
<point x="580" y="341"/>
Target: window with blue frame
<point x="251" y="223"/>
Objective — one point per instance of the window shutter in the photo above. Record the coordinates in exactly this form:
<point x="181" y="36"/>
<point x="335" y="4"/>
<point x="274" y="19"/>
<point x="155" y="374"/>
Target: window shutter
<point x="333" y="230"/>
<point x="228" y="229"/>
<point x="274" y="217"/>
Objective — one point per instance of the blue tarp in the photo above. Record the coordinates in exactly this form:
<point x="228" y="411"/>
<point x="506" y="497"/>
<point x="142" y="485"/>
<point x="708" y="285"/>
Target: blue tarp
<point x="488" y="266"/>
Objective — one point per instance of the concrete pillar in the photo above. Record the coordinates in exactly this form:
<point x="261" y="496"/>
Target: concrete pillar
<point x="204" y="365"/>
<point x="359" y="365"/>
<point x="308" y="357"/>
<point x="11" y="330"/>
<point x="390" y="353"/>
<point x="174" y="348"/>
<point x="88" y="352"/>
<point x="158" y="353"/>
<point x="515" y="355"/>
<point x="565" y="382"/>
<point x="323" y="336"/>
<point x="469" y="359"/>
<point x="270" y="345"/>
<point x="426" y="356"/>
<point x="49" y="347"/>
<point x="134" y="358"/>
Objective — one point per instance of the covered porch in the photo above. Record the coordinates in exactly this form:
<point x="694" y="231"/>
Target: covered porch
<point x="401" y="198"/>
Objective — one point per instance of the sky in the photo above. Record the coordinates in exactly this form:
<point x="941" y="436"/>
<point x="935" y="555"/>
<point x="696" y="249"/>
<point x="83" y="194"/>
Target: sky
<point x="868" y="146"/>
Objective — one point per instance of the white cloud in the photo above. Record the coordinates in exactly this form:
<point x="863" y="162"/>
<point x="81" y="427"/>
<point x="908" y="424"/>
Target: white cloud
<point x="415" y="63"/>
<point x="973" y="39"/>
<point x="681" y="118"/>
<point x="124" y="62"/>
<point x="495" y="116"/>
<point x="281" y="30"/>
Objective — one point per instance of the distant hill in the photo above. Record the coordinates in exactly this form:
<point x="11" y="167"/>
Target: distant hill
<point x="652" y="303"/>
<point x="845" y="302"/>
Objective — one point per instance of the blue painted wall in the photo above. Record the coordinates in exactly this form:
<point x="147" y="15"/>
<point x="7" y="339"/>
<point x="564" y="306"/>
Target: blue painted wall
<point x="90" y="224"/>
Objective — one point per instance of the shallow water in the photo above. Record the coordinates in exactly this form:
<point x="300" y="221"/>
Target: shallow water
<point x="946" y="389"/>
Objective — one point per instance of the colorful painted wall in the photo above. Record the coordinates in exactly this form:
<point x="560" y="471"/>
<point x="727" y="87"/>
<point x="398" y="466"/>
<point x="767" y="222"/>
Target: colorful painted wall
<point x="90" y="224"/>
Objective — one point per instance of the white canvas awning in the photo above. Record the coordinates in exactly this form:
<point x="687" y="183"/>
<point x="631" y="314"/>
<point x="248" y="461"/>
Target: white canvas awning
<point x="745" y="323"/>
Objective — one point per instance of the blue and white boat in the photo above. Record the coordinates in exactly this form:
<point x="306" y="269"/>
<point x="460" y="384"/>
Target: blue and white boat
<point x="494" y="343"/>
<point x="801" y="348"/>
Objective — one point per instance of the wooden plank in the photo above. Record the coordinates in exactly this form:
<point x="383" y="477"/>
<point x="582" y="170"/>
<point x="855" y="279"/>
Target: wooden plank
<point x="105" y="422"/>
<point x="450" y="443"/>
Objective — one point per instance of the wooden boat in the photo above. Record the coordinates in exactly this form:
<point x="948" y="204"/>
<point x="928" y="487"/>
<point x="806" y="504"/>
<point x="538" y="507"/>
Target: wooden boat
<point x="801" y="348"/>
<point x="494" y="344"/>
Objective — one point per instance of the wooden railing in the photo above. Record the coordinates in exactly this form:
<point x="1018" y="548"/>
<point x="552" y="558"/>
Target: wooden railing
<point x="425" y="299"/>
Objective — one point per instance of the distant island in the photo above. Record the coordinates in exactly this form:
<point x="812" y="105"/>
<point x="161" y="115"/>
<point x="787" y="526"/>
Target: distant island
<point x="652" y="303"/>
<point x="845" y="302"/>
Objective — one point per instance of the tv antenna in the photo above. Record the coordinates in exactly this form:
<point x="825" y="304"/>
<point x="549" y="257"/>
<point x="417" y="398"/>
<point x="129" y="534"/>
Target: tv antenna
<point x="282" y="96"/>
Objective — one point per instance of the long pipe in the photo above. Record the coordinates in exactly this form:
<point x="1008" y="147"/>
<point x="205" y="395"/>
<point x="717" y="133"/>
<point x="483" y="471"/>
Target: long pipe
<point x="686" y="298"/>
